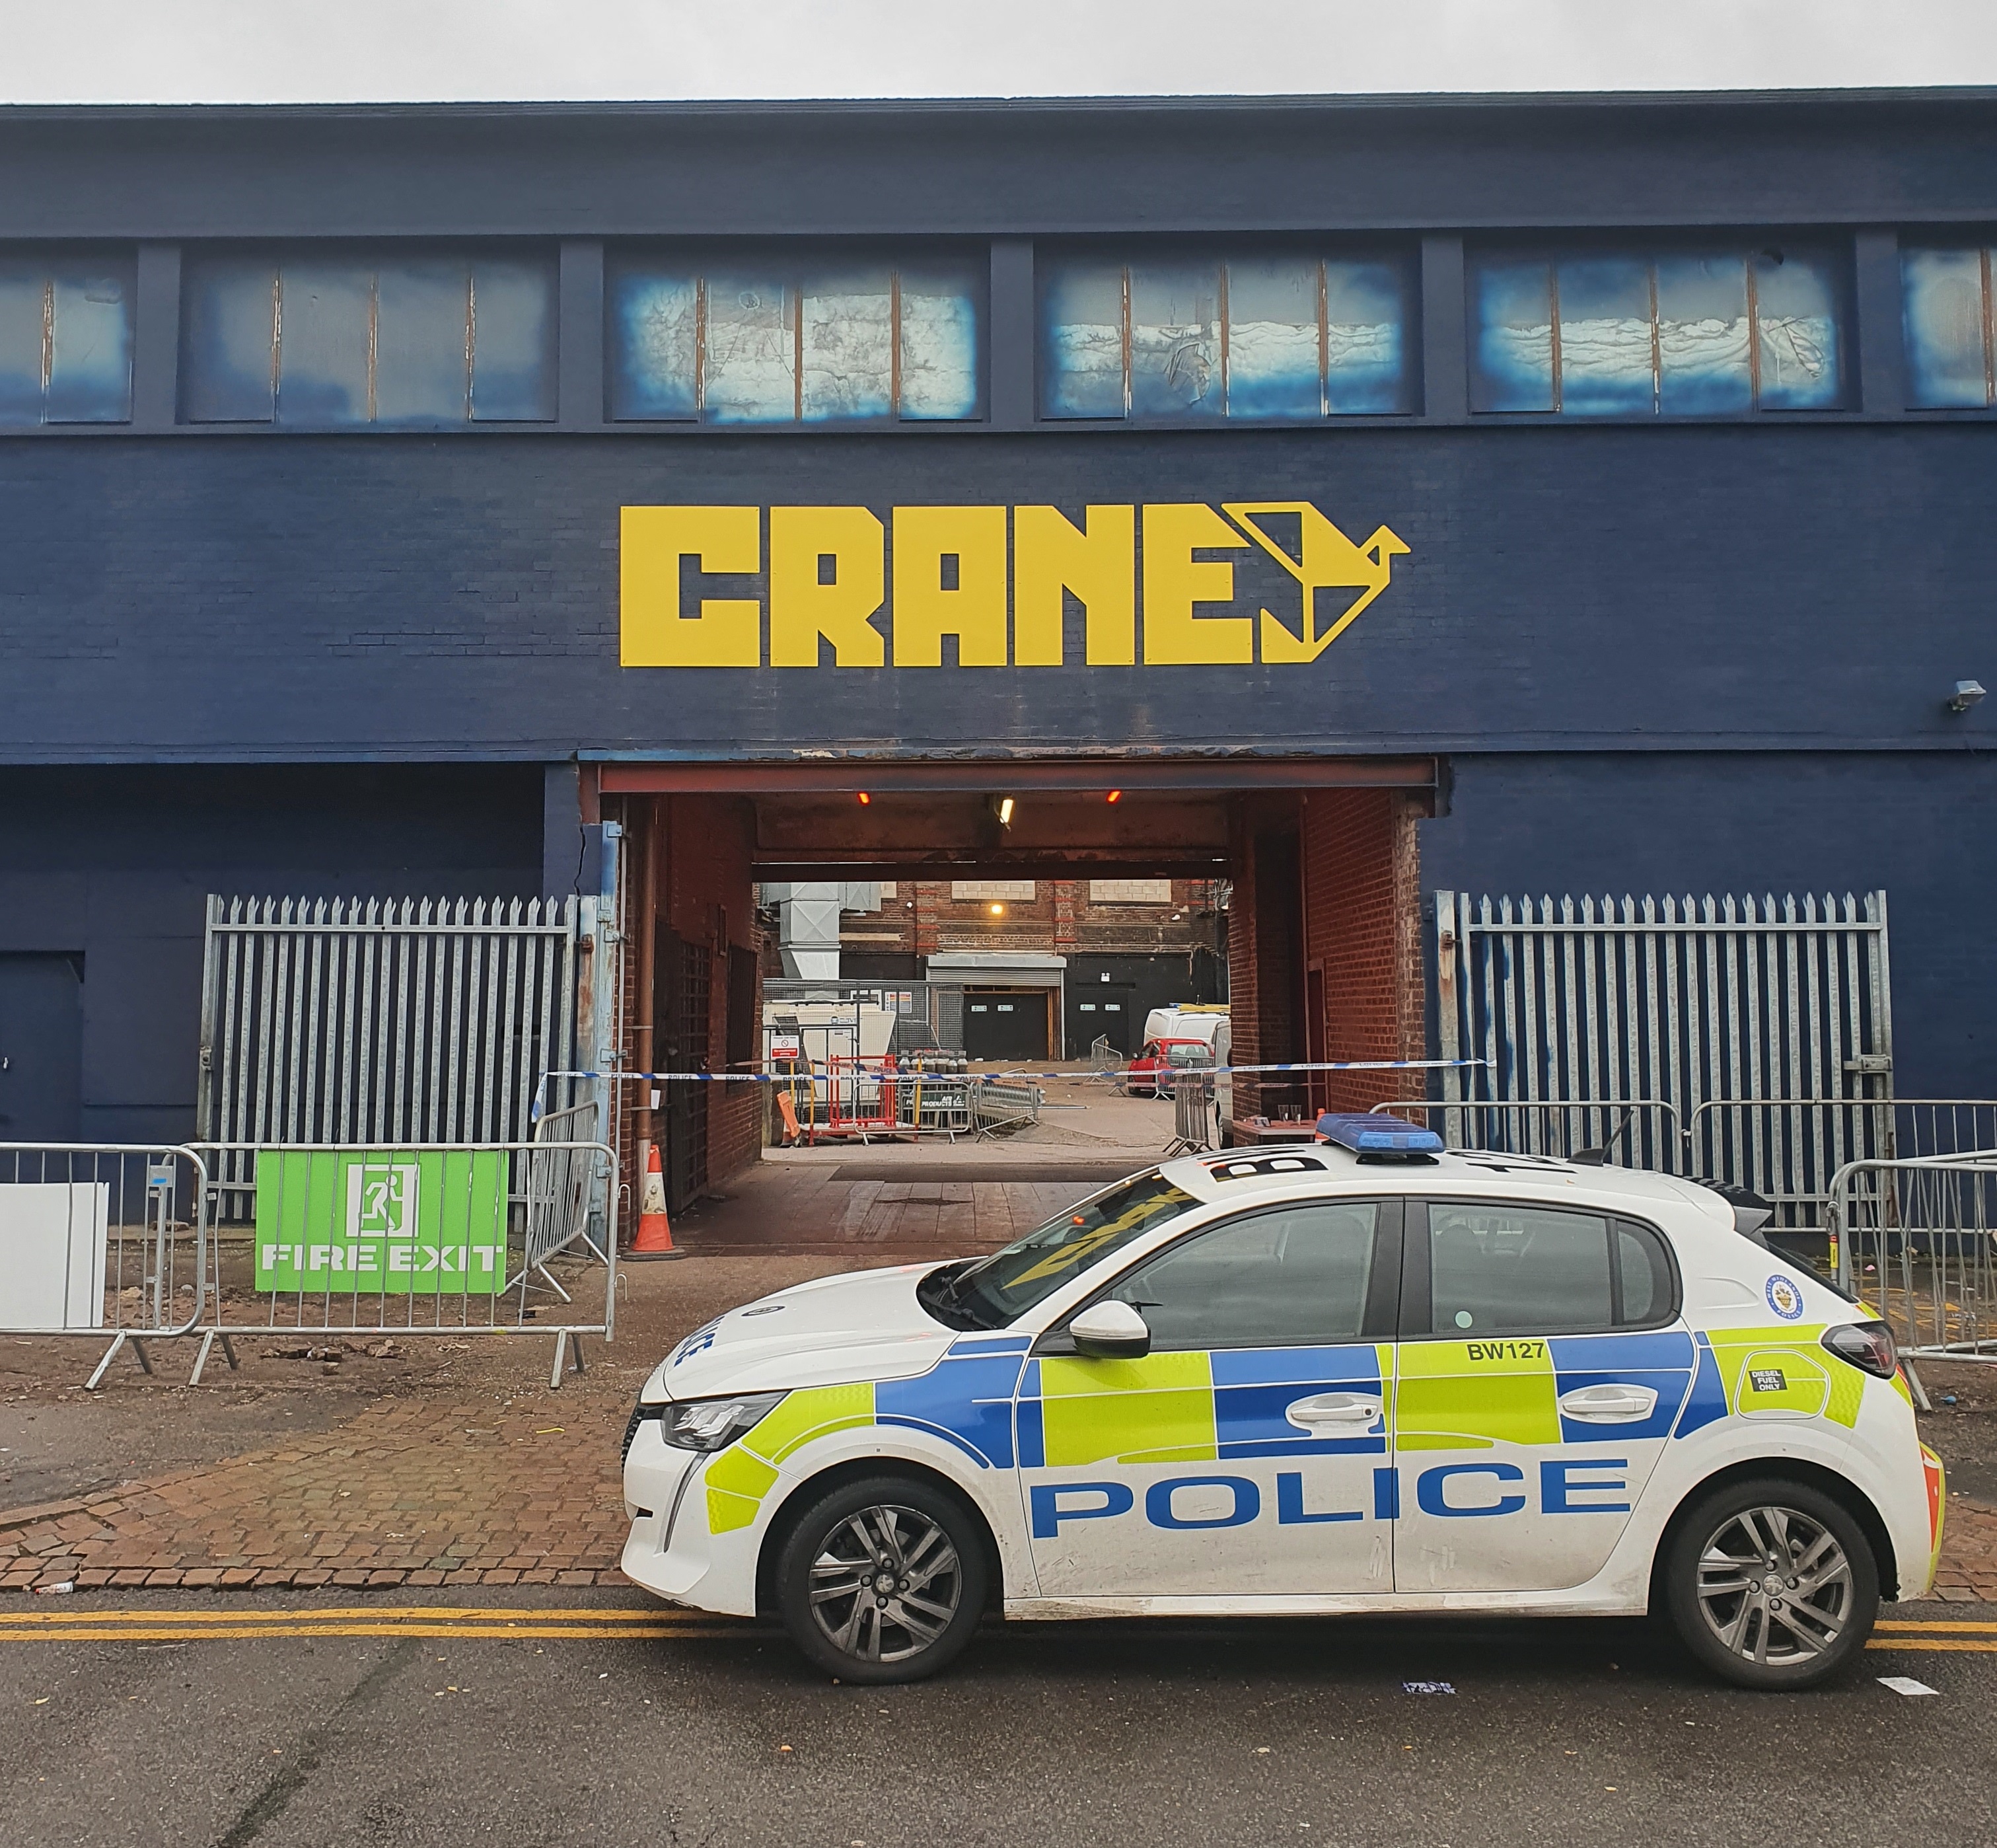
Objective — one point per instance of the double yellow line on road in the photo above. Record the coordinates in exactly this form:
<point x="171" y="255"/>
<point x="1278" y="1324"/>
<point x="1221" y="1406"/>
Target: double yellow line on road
<point x="440" y="1621"/>
<point x="1971" y="1639"/>
<point x="600" y="1623"/>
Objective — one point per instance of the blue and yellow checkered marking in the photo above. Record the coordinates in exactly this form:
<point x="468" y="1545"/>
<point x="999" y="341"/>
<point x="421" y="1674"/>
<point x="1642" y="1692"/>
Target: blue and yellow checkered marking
<point x="1193" y="1407"/>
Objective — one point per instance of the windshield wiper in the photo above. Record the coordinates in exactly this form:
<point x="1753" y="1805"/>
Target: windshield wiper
<point x="942" y="1293"/>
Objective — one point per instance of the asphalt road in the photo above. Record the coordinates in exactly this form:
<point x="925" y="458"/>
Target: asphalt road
<point x="584" y="1724"/>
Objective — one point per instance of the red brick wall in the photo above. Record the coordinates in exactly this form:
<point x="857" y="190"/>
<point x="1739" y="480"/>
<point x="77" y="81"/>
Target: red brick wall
<point x="705" y="893"/>
<point x="1362" y="940"/>
<point x="922" y="918"/>
<point x="711" y="900"/>
<point x="1264" y="977"/>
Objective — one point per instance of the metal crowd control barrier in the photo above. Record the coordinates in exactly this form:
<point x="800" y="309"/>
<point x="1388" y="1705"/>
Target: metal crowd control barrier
<point x="998" y="1104"/>
<point x="1192" y="1113"/>
<point x="1789" y="1150"/>
<point x="1917" y="1238"/>
<point x="1641" y="1132"/>
<point x="102" y="1238"/>
<point x="416" y="1239"/>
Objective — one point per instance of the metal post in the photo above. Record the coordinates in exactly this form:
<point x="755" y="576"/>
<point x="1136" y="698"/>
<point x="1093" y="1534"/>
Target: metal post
<point x="603" y="1040"/>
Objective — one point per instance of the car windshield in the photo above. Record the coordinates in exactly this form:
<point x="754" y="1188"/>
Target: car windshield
<point x="995" y="1291"/>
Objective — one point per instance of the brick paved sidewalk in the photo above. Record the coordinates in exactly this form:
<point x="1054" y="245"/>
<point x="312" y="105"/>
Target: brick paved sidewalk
<point x="424" y="1492"/>
<point x="416" y="1491"/>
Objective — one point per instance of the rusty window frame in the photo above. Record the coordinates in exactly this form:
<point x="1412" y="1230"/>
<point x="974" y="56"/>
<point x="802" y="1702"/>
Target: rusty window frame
<point x="1224" y="255"/>
<point x="1828" y="256"/>
<point x="364" y="265"/>
<point x="798" y="271"/>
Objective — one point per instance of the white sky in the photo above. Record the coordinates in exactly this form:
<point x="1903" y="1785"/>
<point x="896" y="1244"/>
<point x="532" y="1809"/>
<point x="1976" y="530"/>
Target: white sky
<point x="429" y="50"/>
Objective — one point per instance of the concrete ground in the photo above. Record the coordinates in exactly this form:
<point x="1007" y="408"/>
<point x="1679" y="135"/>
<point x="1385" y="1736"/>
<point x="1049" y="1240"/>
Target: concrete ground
<point x="934" y="1197"/>
<point x="584" y="1718"/>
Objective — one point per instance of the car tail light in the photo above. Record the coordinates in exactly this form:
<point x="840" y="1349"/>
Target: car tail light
<point x="1867" y="1345"/>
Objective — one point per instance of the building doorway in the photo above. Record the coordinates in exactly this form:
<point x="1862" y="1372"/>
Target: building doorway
<point x="1102" y="1011"/>
<point x="1010" y="1024"/>
<point x="1321" y="934"/>
<point x="41" y="1048"/>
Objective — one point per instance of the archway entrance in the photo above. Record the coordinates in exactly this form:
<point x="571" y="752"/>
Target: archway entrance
<point x="1318" y="857"/>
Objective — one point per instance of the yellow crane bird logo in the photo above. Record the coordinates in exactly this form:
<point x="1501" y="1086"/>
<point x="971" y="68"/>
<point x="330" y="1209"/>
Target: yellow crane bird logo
<point x="1327" y="561"/>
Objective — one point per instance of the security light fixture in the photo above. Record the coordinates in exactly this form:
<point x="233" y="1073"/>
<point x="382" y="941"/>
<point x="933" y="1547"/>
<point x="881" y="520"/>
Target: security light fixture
<point x="1114" y="796"/>
<point x="864" y="799"/>
<point x="998" y="911"/>
<point x="1966" y="693"/>
<point x="1001" y="806"/>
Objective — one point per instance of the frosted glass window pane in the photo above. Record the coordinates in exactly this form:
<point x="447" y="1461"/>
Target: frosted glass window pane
<point x="1272" y="341"/>
<point x="1944" y="313"/>
<point x="421" y="376"/>
<point x="849" y="330"/>
<point x="1605" y="338"/>
<point x="1176" y="340"/>
<point x="1083" y="343"/>
<point x="1702" y="336"/>
<point x="1513" y="310"/>
<point x="939" y="347"/>
<point x="1366" y="314"/>
<point x="228" y="324"/>
<point x="513" y="342"/>
<point x="656" y="338"/>
<point x="322" y="345"/>
<point x="751" y="352"/>
<point x="21" y="289"/>
<point x="90" y="370"/>
<point x="1796" y="311"/>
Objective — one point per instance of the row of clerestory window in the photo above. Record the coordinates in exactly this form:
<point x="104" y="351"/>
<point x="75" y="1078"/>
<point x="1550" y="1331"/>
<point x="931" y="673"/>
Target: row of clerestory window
<point x="315" y="338"/>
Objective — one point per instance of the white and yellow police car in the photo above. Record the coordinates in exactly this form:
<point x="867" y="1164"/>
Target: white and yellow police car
<point x="1361" y="1375"/>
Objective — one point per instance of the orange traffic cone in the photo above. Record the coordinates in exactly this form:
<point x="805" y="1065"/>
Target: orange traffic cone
<point x="655" y="1232"/>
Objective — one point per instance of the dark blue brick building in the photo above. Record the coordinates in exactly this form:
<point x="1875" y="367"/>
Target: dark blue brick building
<point x="1648" y="436"/>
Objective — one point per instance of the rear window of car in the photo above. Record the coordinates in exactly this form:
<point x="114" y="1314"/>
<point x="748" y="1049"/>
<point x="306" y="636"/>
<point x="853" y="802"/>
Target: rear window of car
<point x="1509" y="1270"/>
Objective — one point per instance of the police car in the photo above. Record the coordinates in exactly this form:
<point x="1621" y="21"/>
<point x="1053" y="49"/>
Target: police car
<point x="1359" y="1374"/>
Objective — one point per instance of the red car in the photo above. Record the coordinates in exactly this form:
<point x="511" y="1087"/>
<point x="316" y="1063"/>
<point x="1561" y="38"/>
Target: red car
<point x="1148" y="1074"/>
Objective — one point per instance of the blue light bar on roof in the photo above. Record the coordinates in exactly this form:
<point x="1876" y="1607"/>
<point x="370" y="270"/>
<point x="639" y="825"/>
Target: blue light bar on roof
<point x="1365" y="1135"/>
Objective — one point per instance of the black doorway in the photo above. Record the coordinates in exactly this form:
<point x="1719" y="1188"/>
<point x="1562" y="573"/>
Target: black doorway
<point x="41" y="1048"/>
<point x="1003" y="1023"/>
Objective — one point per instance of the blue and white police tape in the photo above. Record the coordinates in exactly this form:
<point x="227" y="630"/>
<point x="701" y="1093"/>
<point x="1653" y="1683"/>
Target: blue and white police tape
<point x="802" y="1071"/>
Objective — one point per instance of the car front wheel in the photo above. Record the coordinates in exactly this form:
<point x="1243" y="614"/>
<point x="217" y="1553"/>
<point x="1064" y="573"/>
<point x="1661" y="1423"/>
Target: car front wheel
<point x="1772" y="1584"/>
<point x="883" y="1580"/>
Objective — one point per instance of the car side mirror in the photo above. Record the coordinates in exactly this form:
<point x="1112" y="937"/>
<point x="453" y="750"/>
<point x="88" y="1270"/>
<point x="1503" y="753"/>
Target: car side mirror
<point x="1110" y="1331"/>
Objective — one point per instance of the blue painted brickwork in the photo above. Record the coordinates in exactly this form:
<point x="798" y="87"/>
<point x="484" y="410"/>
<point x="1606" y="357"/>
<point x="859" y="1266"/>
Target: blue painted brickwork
<point x="117" y="864"/>
<point x="1923" y="828"/>
<point x="1035" y="167"/>
<point x="430" y="599"/>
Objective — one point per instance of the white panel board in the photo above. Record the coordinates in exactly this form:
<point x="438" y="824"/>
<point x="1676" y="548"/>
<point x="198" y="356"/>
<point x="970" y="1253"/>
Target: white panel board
<point x="53" y="1236"/>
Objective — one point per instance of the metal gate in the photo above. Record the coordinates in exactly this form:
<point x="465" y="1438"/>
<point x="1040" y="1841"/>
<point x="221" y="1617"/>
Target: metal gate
<point x="1743" y="1030"/>
<point x="382" y="1022"/>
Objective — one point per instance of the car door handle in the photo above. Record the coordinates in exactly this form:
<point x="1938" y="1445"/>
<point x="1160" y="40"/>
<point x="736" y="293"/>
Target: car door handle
<point x="1608" y="1404"/>
<point x="1334" y="1408"/>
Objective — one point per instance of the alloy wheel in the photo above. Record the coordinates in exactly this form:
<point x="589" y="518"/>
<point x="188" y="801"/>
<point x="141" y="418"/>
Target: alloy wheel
<point x="1775" y="1587"/>
<point x="885" y="1583"/>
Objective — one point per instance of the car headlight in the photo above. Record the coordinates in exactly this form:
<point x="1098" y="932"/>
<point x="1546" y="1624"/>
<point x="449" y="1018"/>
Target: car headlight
<point x="715" y="1424"/>
<point x="1869" y="1345"/>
